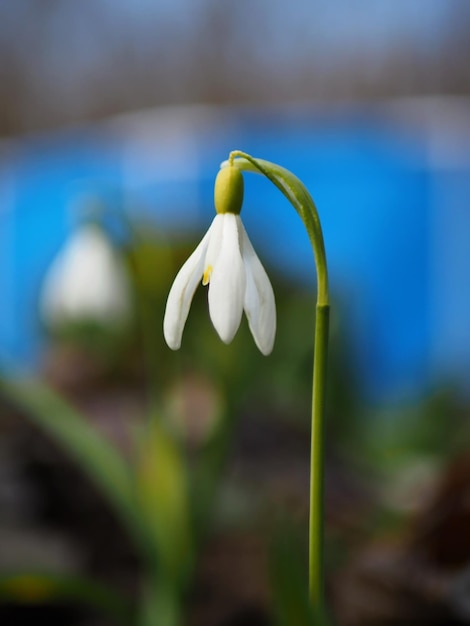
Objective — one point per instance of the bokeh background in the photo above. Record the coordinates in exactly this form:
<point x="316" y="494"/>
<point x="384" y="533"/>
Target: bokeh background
<point x="121" y="112"/>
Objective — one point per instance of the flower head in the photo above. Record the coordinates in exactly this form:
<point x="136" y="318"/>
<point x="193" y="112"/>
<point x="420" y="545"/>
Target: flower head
<point x="86" y="281"/>
<point x="226" y="261"/>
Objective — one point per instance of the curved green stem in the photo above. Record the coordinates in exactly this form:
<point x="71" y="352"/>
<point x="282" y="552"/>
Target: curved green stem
<point x="298" y="195"/>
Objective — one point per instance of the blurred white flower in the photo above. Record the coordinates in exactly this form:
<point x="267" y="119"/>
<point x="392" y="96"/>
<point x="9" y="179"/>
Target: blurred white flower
<point x="226" y="260"/>
<point x="86" y="281"/>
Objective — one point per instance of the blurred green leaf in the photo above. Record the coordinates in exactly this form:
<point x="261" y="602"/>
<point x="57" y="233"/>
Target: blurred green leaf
<point x="434" y="428"/>
<point x="71" y="430"/>
<point x="26" y="587"/>
<point x="163" y="499"/>
<point x="160" y="605"/>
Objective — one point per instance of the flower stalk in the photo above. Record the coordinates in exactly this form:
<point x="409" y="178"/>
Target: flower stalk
<point x="226" y="262"/>
<point x="299" y="197"/>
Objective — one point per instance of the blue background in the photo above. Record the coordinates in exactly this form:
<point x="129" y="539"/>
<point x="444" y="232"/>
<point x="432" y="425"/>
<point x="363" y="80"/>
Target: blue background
<point x="395" y="218"/>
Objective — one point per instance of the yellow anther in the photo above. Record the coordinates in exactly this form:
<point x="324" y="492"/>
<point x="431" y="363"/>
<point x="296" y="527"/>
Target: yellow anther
<point x="207" y="275"/>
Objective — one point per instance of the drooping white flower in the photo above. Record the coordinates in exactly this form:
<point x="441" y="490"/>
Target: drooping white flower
<point x="227" y="262"/>
<point x="86" y="281"/>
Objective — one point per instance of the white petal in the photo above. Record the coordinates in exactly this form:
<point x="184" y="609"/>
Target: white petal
<point x="227" y="283"/>
<point x="182" y="292"/>
<point x="260" y="306"/>
<point x="214" y="247"/>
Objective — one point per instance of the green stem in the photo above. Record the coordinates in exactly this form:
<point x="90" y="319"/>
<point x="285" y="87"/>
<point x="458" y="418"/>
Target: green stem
<point x="316" y="522"/>
<point x="297" y="194"/>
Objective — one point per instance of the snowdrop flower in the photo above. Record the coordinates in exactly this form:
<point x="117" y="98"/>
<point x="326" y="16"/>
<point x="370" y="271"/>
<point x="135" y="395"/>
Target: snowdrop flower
<point x="226" y="261"/>
<point x="86" y="281"/>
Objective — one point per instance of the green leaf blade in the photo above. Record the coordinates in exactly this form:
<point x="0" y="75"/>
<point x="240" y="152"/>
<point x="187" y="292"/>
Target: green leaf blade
<point x="71" y="430"/>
